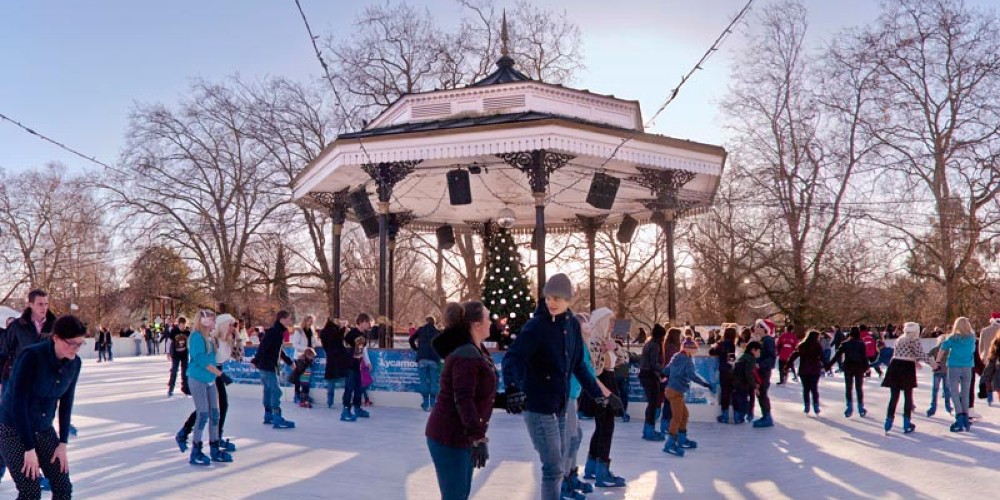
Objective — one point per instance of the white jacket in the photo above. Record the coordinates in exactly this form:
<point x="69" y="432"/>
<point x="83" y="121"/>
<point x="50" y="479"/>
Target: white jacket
<point x="300" y="342"/>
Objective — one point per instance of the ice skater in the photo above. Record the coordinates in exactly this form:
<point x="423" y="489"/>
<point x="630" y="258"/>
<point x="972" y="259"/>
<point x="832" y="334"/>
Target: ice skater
<point x="650" y="376"/>
<point x="203" y="379"/>
<point x="764" y="332"/>
<point x="681" y="374"/>
<point x="536" y="372"/>
<point x="809" y="354"/>
<point x="901" y="376"/>
<point x="266" y="362"/>
<point x="745" y="382"/>
<point x="725" y="352"/>
<point x="884" y="357"/>
<point x="940" y="380"/>
<point x="301" y="373"/>
<point x="41" y="386"/>
<point x="961" y="347"/>
<point x="852" y="357"/>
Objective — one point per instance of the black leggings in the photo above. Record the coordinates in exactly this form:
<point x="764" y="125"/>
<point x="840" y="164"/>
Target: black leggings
<point x="858" y="383"/>
<point x="604" y="423"/>
<point x="810" y="387"/>
<point x="46" y="442"/>
<point x="762" y="398"/>
<point x="223" y="409"/>
<point x="894" y="398"/>
<point x="725" y="390"/>
<point x="654" y="396"/>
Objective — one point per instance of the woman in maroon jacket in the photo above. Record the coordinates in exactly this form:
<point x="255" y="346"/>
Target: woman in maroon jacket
<point x="456" y="429"/>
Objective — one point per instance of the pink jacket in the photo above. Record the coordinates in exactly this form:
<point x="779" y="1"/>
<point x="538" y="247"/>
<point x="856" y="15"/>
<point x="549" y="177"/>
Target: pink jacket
<point x="786" y="345"/>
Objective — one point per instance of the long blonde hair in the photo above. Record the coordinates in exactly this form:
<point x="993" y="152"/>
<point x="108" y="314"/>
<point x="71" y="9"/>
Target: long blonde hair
<point x="962" y="326"/>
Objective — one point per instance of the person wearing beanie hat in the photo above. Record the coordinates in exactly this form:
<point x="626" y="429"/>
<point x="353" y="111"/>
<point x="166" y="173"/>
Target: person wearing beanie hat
<point x="901" y="375"/>
<point x="764" y="333"/>
<point x="650" y="367"/>
<point x="536" y="373"/>
<point x="681" y="374"/>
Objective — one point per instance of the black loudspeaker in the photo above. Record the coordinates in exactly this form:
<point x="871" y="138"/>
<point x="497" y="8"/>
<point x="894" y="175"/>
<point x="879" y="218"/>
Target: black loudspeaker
<point x="627" y="228"/>
<point x="370" y="225"/>
<point x="445" y="237"/>
<point x="459" y="189"/>
<point x="360" y="204"/>
<point x="603" y="189"/>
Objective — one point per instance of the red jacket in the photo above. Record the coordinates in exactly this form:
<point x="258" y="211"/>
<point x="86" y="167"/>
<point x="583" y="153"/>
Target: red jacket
<point x="465" y="403"/>
<point x="786" y="345"/>
<point x="871" y="349"/>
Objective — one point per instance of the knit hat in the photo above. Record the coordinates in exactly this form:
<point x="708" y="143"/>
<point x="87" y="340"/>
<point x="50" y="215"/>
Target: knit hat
<point x="766" y="324"/>
<point x="600" y="320"/>
<point x="911" y="328"/>
<point x="659" y="331"/>
<point x="558" y="286"/>
<point x="995" y="317"/>
<point x="689" y="344"/>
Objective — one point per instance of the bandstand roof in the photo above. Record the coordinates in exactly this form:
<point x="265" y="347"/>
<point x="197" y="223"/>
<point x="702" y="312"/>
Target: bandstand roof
<point x="508" y="113"/>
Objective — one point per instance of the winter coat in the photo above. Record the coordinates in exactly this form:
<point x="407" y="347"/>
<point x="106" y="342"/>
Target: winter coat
<point x="337" y="354"/>
<point x="21" y="334"/>
<point x="854" y="357"/>
<point x="40" y="380"/>
<point x="810" y="356"/>
<point x="743" y="377"/>
<point x="884" y="356"/>
<point x="767" y="353"/>
<point x="871" y="348"/>
<point x="270" y="349"/>
<point x="302" y="339"/>
<point x="202" y="355"/>
<point x="726" y="352"/>
<point x="786" y="345"/>
<point x="681" y="373"/>
<point x="299" y="368"/>
<point x="547" y="351"/>
<point x="465" y="401"/>
<point x="652" y="357"/>
<point x="422" y="342"/>
<point x="963" y="350"/>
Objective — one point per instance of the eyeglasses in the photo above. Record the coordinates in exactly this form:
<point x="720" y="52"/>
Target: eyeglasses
<point x="73" y="345"/>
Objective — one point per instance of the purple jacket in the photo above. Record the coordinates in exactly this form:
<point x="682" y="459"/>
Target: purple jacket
<point x="465" y="402"/>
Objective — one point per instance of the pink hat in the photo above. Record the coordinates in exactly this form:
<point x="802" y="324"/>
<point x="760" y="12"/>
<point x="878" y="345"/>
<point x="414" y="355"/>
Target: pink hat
<point x="995" y="317"/>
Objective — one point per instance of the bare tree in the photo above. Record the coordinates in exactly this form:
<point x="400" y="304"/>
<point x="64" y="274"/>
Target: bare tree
<point x="796" y="153"/>
<point x="938" y="125"/>
<point x="201" y="182"/>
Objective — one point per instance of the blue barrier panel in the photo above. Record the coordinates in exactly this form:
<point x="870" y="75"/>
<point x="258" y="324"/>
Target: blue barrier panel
<point x="395" y="370"/>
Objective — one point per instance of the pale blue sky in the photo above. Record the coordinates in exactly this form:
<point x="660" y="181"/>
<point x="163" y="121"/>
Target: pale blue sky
<point x="73" y="69"/>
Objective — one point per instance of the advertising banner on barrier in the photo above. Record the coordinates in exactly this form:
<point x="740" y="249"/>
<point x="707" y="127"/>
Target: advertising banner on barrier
<point x="395" y="370"/>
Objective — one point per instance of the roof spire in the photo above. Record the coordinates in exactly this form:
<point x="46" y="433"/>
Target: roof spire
<point x="504" y="39"/>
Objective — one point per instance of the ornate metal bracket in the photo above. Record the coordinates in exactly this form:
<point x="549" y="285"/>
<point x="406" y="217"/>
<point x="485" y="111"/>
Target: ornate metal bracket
<point x="589" y="224"/>
<point x="399" y="220"/>
<point x="387" y="174"/>
<point x="336" y="203"/>
<point x="537" y="164"/>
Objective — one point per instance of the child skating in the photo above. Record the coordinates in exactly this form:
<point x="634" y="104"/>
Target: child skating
<point x="681" y="374"/>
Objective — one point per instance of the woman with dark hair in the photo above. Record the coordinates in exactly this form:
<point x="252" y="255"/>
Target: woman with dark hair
<point x="337" y="358"/>
<point x="809" y="352"/>
<point x="725" y="351"/>
<point x="650" y="369"/>
<point x="43" y="379"/>
<point x="670" y="347"/>
<point x="855" y="363"/>
<point x="456" y="429"/>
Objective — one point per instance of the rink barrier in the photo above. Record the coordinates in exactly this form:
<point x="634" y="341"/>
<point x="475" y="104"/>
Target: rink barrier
<point x="395" y="370"/>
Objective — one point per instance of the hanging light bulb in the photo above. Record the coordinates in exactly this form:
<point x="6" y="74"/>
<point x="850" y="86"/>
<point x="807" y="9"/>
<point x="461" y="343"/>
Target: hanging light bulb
<point x="506" y="218"/>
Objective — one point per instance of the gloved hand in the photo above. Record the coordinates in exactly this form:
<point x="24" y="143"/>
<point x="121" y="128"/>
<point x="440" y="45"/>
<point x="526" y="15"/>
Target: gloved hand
<point x="615" y="405"/>
<point x="225" y="379"/>
<point x="480" y="454"/>
<point x="515" y="400"/>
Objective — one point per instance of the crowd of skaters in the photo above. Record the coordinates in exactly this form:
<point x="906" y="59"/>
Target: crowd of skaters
<point x="562" y="367"/>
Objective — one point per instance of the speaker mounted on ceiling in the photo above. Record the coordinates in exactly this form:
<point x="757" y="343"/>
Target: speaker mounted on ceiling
<point x="603" y="189"/>
<point x="626" y="230"/>
<point x="459" y="187"/>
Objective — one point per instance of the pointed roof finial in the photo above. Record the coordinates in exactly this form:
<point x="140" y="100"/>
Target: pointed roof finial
<point x="504" y="39"/>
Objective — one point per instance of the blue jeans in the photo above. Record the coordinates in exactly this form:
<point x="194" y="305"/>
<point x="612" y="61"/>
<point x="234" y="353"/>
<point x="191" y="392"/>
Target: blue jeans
<point x="940" y="380"/>
<point x="574" y="436"/>
<point x="331" y="388"/>
<point x="430" y="377"/>
<point x="454" y="470"/>
<point x="272" y="392"/>
<point x="548" y="435"/>
<point x="352" y="389"/>
<point x="959" y="380"/>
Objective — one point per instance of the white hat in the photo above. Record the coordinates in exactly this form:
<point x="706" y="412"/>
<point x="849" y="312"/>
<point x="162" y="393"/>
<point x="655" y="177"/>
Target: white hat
<point x="911" y="328"/>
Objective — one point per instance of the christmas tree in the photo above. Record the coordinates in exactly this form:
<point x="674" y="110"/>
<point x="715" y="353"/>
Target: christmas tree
<point x="505" y="288"/>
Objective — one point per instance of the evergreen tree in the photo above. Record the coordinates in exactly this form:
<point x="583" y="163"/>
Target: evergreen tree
<point x="505" y="287"/>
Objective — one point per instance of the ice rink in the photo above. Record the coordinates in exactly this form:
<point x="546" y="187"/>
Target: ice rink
<point x="126" y="450"/>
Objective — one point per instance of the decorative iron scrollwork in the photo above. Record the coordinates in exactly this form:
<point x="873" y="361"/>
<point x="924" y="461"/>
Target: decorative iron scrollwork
<point x="387" y="174"/>
<point x="589" y="224"/>
<point x="336" y="203"/>
<point x="538" y="164"/>
<point x="399" y="220"/>
<point x="660" y="181"/>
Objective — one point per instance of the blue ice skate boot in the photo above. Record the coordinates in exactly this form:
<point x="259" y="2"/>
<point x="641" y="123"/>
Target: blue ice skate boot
<point x="816" y="408"/>
<point x="590" y="469"/>
<point x="197" y="457"/>
<point x="626" y="418"/>
<point x="739" y="417"/>
<point x="764" y="421"/>
<point x="723" y="419"/>
<point x="849" y="411"/>
<point x="684" y="442"/>
<point x="280" y="422"/>
<point x="359" y="413"/>
<point x="862" y="411"/>
<point x="426" y="403"/>
<point x="227" y="446"/>
<point x="649" y="433"/>
<point x="566" y="491"/>
<point x="606" y="478"/>
<point x="218" y="454"/>
<point x="908" y="427"/>
<point x="888" y="424"/>
<point x="346" y="416"/>
<point x="932" y="410"/>
<point x="673" y="447"/>
<point x="181" y="438"/>
<point x="268" y="416"/>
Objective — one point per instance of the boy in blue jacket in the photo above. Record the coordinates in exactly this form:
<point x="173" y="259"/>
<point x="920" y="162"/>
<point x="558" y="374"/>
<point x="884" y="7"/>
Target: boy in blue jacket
<point x="536" y="372"/>
<point x="681" y="373"/>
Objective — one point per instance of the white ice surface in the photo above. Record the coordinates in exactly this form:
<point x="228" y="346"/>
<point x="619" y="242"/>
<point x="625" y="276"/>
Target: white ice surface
<point x="126" y="450"/>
